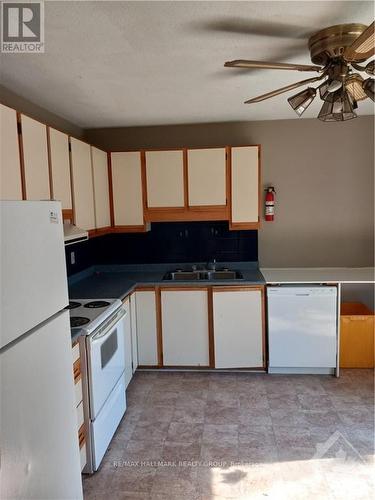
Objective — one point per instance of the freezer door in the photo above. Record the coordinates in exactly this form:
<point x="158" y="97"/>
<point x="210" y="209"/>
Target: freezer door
<point x="32" y="265"/>
<point x="38" y="425"/>
<point x="302" y="327"/>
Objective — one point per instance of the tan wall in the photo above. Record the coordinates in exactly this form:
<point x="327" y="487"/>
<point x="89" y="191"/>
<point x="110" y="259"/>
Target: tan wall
<point x="12" y="100"/>
<point x="323" y="174"/>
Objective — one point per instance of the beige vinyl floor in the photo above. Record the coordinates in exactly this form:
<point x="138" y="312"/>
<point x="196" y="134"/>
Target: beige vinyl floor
<point x="241" y="436"/>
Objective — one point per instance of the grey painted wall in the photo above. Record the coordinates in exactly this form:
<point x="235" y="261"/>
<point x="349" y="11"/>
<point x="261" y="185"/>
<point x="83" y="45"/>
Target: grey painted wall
<point x="12" y="100"/>
<point x="323" y="174"/>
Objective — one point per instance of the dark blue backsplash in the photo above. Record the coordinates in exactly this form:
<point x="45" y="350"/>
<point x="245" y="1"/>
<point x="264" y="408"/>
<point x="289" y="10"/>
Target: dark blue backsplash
<point x="167" y="242"/>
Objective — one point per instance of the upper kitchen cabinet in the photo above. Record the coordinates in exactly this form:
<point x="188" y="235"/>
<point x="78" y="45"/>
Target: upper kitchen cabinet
<point x="165" y="179"/>
<point x="207" y="177"/>
<point x="245" y="181"/>
<point x="35" y="158"/>
<point x="82" y="184"/>
<point x="10" y="168"/>
<point x="60" y="168"/>
<point x="101" y="188"/>
<point x="127" y="190"/>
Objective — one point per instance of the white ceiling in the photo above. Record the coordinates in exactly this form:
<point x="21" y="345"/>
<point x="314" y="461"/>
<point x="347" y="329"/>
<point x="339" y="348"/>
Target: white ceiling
<point x="124" y="63"/>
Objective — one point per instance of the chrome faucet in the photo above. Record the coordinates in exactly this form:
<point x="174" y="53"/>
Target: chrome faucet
<point x="211" y="265"/>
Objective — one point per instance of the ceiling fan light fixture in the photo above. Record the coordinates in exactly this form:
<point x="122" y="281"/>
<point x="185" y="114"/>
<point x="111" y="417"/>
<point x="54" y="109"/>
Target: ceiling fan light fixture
<point x="353" y="85"/>
<point x="370" y="68"/>
<point x="340" y="109"/>
<point x="301" y="101"/>
<point x="369" y="87"/>
<point x="334" y="85"/>
<point x="325" y="93"/>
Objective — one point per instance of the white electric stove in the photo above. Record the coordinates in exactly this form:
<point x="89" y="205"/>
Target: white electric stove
<point x="102" y="348"/>
<point x="89" y="314"/>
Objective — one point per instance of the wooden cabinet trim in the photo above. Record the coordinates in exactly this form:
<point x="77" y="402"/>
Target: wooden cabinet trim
<point x="159" y="326"/>
<point x="77" y="370"/>
<point x="211" y="336"/>
<point x="81" y="436"/>
<point x="22" y="157"/>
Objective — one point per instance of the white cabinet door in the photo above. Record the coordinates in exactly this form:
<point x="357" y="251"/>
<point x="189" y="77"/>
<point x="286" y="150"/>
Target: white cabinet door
<point x="101" y="187"/>
<point x="245" y="184"/>
<point x="146" y="328"/>
<point x="133" y="320"/>
<point x="128" y="374"/>
<point x="238" y="327"/>
<point x="60" y="168"/>
<point x="165" y="178"/>
<point x="83" y="188"/>
<point x="185" y="327"/>
<point x="10" y="168"/>
<point x="127" y="188"/>
<point x="207" y="176"/>
<point x="35" y="154"/>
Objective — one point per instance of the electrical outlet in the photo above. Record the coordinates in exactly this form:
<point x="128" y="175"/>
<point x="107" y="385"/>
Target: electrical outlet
<point x="72" y="258"/>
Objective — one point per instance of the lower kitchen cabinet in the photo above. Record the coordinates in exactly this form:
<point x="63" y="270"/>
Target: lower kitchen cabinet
<point x="128" y="344"/>
<point x="238" y="319"/>
<point x="133" y="325"/>
<point x="146" y="327"/>
<point x="184" y="319"/>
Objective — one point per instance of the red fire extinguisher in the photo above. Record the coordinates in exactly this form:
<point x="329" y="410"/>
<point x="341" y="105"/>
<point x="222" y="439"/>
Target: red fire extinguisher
<point x="270" y="204"/>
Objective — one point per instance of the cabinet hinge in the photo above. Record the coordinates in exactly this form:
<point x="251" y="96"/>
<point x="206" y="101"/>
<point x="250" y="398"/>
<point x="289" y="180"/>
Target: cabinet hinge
<point x="19" y="128"/>
<point x="70" y="147"/>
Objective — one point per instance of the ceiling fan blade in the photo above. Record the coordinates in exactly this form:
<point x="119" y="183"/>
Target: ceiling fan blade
<point x="243" y="26"/>
<point x="363" y="47"/>
<point x="243" y="63"/>
<point x="284" y="89"/>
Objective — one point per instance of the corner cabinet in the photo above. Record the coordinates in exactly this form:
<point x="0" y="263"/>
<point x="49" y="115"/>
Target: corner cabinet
<point x="101" y="188"/>
<point x="185" y="326"/>
<point x="10" y="166"/>
<point x="127" y="190"/>
<point x="35" y="159"/>
<point x="238" y="324"/>
<point x="82" y="184"/>
<point x="245" y="187"/>
<point x="60" y="168"/>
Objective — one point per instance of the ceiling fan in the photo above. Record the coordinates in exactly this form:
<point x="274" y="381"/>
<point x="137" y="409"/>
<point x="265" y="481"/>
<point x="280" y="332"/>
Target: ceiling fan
<point x="335" y="52"/>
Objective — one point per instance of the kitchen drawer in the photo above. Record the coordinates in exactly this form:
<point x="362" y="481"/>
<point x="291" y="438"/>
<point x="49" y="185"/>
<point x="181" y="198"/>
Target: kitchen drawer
<point x="80" y="417"/>
<point x="75" y="351"/>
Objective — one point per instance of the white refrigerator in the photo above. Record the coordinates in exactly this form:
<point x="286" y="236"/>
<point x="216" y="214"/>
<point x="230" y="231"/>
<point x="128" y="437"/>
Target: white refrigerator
<point x="38" y="425"/>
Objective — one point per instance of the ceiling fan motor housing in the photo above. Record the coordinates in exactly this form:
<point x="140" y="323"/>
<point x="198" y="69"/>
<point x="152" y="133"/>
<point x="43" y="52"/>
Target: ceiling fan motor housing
<point x="331" y="42"/>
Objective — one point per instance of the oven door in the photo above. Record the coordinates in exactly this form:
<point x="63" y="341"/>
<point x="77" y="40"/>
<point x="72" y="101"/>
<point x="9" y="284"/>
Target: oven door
<point x="106" y="360"/>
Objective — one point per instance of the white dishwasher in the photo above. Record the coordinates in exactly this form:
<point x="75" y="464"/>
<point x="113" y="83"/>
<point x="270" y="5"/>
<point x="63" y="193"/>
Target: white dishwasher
<point x="302" y="329"/>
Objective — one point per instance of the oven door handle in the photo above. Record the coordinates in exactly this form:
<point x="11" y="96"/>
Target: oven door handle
<point x="101" y="335"/>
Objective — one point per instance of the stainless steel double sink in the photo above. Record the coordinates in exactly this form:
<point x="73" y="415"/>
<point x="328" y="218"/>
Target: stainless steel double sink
<point x="203" y="275"/>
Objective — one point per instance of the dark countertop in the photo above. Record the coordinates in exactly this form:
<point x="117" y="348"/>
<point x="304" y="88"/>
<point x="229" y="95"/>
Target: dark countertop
<point x="100" y="282"/>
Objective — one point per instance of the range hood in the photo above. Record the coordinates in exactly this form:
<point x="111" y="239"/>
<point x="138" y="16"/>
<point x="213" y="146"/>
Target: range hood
<point x="73" y="234"/>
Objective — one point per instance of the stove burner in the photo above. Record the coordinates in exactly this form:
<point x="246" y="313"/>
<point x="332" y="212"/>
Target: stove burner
<point x="73" y="305"/>
<point x="78" y="321"/>
<point x="96" y="303"/>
